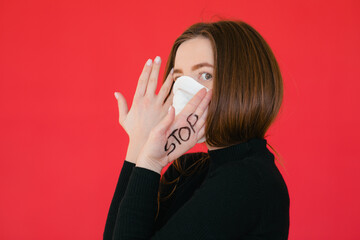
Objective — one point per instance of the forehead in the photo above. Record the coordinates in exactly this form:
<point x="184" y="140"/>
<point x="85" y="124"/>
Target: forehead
<point x="194" y="51"/>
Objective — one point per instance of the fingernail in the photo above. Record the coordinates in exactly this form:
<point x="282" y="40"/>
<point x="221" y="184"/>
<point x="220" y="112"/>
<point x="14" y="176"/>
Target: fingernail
<point x="149" y="61"/>
<point x="169" y="108"/>
<point x="116" y="95"/>
<point x="172" y="71"/>
<point x="157" y="59"/>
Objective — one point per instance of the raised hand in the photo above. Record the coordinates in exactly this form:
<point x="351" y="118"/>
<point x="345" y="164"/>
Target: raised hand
<point x="147" y="108"/>
<point x="174" y="136"/>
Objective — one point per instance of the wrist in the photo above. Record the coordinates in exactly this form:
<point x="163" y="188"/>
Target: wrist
<point x="148" y="164"/>
<point x="132" y="152"/>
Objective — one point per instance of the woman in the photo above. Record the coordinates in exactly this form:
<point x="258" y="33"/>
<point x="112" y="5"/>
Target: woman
<point x="234" y="191"/>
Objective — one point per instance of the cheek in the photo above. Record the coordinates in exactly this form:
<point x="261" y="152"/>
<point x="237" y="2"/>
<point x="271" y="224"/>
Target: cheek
<point x="208" y="85"/>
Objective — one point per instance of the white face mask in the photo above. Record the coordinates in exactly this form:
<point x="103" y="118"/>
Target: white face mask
<point x="184" y="89"/>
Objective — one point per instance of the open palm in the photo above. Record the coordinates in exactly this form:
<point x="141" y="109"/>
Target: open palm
<point x="174" y="136"/>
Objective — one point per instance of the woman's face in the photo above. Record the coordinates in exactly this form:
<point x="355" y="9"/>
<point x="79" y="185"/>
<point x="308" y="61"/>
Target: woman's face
<point x="195" y="58"/>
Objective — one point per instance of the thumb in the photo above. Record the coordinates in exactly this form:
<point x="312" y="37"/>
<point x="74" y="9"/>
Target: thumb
<point x="166" y="122"/>
<point x="122" y="105"/>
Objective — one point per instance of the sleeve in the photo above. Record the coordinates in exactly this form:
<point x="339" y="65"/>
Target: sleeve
<point x="118" y="195"/>
<point x="225" y="206"/>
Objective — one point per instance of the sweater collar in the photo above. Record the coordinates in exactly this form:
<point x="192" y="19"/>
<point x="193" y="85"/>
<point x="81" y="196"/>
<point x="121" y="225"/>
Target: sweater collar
<point x="237" y="152"/>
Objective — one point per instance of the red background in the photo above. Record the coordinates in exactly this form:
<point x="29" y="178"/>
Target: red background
<point x="62" y="148"/>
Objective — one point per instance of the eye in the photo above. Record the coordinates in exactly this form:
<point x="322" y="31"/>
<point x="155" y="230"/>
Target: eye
<point x="207" y="76"/>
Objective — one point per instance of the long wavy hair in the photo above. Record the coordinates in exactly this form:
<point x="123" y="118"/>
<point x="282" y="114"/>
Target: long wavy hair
<point x="247" y="88"/>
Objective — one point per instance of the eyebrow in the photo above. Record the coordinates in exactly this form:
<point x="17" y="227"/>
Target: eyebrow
<point x="197" y="66"/>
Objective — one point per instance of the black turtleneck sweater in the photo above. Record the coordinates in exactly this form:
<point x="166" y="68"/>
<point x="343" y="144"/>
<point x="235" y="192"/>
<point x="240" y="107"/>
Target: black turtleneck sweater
<point x="238" y="194"/>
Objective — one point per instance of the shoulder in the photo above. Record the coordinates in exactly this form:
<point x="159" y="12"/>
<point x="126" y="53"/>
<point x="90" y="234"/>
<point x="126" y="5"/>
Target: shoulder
<point x="250" y="168"/>
<point x="235" y="177"/>
<point x="255" y="178"/>
<point x="243" y="180"/>
<point x="232" y="194"/>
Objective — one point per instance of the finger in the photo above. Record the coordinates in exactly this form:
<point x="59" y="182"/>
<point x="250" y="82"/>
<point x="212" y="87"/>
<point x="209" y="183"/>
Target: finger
<point x="194" y="102"/>
<point x="165" y="88"/>
<point x="123" y="107"/>
<point x="202" y="118"/>
<point x="166" y="122"/>
<point x="200" y="122"/>
<point x="201" y="133"/>
<point x="143" y="79"/>
<point x="152" y="83"/>
<point x="169" y="101"/>
<point x="204" y="103"/>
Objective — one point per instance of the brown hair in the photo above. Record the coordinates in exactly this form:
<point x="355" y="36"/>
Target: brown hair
<point x="247" y="87"/>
